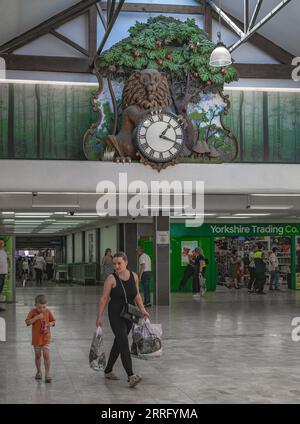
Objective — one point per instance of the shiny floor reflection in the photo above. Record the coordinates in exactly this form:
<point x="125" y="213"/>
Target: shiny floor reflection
<point x="228" y="347"/>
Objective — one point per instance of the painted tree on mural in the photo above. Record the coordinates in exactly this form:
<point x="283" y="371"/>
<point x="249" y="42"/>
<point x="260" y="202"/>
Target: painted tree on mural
<point x="179" y="48"/>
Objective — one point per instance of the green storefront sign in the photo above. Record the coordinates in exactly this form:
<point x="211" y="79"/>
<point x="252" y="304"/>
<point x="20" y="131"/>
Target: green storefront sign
<point x="237" y="230"/>
<point x="8" y="292"/>
<point x="205" y="237"/>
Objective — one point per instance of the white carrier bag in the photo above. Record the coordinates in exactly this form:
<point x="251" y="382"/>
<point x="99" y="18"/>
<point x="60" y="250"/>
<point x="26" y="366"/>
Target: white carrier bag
<point x="97" y="357"/>
<point x="147" y="343"/>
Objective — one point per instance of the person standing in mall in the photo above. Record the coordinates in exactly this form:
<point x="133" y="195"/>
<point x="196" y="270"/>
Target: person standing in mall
<point x="260" y="269"/>
<point x="25" y="271"/>
<point x="235" y="268"/>
<point x="39" y="266"/>
<point x="107" y="264"/>
<point x="3" y="268"/>
<point x="251" y="272"/>
<point x="49" y="266"/>
<point x="115" y="286"/>
<point x="189" y="269"/>
<point x="145" y="275"/>
<point x="199" y="265"/>
<point x="274" y="270"/>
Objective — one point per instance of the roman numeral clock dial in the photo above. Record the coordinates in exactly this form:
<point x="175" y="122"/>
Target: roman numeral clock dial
<point x="160" y="137"/>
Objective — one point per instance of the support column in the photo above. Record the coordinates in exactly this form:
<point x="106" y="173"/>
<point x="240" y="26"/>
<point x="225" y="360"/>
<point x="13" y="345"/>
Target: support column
<point x="161" y="266"/>
<point x="130" y="241"/>
<point x="98" y="258"/>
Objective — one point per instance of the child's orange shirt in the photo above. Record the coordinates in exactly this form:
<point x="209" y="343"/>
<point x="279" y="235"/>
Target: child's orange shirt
<point x="39" y="336"/>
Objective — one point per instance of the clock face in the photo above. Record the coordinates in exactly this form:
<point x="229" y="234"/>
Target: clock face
<point x="160" y="136"/>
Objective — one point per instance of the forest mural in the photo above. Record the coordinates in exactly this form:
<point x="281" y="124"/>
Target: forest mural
<point x="267" y="125"/>
<point x="49" y="122"/>
<point x="44" y="121"/>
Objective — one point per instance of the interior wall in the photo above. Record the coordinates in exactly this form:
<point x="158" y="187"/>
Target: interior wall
<point x="108" y="239"/>
<point x="78" y="247"/>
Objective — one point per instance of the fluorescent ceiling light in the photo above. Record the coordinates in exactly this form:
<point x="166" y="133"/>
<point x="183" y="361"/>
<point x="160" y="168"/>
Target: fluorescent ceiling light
<point x="60" y="213"/>
<point x="33" y="213"/>
<point x="252" y="214"/>
<point x="41" y="82"/>
<point x="270" y="207"/>
<point x="8" y="220"/>
<point x="271" y="89"/>
<point x="165" y="207"/>
<point x="71" y="206"/>
<point x="233" y="217"/>
<point x="8" y="213"/>
<point x="275" y="195"/>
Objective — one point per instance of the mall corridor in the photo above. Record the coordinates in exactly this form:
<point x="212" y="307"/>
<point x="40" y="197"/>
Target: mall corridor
<point x="228" y="347"/>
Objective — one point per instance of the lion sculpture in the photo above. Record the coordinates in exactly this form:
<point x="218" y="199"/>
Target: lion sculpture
<point x="144" y="91"/>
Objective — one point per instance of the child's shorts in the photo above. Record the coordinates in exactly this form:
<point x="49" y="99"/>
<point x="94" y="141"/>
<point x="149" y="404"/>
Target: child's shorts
<point x="38" y="349"/>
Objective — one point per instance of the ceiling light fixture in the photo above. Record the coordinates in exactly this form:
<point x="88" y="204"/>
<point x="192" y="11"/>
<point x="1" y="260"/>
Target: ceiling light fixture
<point x="220" y="56"/>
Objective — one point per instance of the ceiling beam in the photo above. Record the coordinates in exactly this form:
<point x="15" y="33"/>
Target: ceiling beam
<point x="46" y="63"/>
<point x="160" y="8"/>
<point x="92" y="27"/>
<point x="262" y="22"/>
<point x="45" y="27"/>
<point x="208" y="20"/>
<point x="255" y="13"/>
<point x="81" y="65"/>
<point x="262" y="43"/>
<point x="69" y="42"/>
<point x="264" y="71"/>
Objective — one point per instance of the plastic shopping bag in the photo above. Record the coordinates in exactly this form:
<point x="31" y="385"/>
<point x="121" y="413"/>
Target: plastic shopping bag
<point x="97" y="358"/>
<point x="147" y="342"/>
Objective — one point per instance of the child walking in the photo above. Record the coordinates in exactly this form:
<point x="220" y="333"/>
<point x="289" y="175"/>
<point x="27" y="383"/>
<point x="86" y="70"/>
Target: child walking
<point x="41" y="319"/>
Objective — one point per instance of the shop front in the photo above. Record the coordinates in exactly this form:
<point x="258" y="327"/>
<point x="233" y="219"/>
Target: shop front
<point x="219" y="241"/>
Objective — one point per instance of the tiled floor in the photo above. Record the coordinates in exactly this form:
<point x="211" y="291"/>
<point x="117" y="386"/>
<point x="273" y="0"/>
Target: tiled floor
<point x="229" y="347"/>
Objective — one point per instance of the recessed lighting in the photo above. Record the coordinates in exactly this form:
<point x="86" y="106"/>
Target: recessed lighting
<point x="270" y="207"/>
<point x="275" y="195"/>
<point x="252" y="214"/>
<point x="233" y="217"/>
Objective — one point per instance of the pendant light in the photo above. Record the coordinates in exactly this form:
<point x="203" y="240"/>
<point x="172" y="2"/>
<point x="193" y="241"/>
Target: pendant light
<point x="220" y="56"/>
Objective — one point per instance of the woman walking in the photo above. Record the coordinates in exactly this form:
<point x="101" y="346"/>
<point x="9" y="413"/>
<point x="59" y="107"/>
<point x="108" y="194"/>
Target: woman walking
<point x="114" y="293"/>
<point x="107" y="264"/>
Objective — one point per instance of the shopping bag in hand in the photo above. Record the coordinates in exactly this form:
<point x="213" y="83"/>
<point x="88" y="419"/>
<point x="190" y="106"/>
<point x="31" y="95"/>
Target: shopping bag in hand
<point x="97" y="355"/>
<point x="146" y="340"/>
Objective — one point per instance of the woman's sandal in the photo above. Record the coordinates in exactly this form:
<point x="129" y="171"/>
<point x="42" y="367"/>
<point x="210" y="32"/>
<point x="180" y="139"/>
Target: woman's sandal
<point x="48" y="379"/>
<point x="38" y="376"/>
<point x="111" y="376"/>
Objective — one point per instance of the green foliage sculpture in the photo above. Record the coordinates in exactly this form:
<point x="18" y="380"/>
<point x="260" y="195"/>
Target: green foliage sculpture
<point x="178" y="48"/>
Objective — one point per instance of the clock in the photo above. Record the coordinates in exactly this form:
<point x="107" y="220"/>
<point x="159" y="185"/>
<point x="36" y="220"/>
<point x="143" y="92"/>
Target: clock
<point x="160" y="137"/>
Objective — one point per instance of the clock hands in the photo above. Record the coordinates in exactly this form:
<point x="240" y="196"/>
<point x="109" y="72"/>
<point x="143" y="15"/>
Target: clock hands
<point x="167" y="138"/>
<point x="165" y="131"/>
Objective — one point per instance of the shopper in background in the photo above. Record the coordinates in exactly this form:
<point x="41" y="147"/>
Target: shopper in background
<point x="260" y="269"/>
<point x="189" y="269"/>
<point x="25" y="271"/>
<point x="3" y="268"/>
<point x="274" y="270"/>
<point x="235" y="268"/>
<point x="107" y="264"/>
<point x="145" y="274"/>
<point x="199" y="264"/>
<point x="49" y="266"/>
<point x="39" y="266"/>
<point x="251" y="267"/>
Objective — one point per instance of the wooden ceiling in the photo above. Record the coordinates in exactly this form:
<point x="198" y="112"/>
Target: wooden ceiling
<point x="108" y="13"/>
